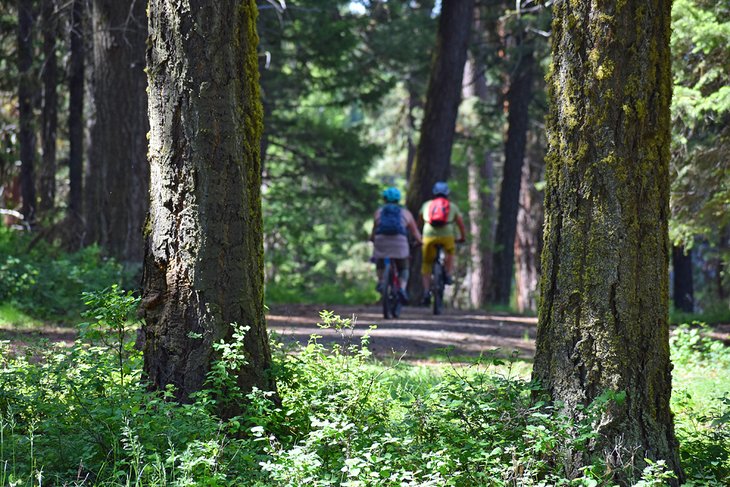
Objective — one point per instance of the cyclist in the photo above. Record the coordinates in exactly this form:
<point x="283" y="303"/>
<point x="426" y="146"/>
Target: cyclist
<point x="438" y="216"/>
<point x="390" y="238"/>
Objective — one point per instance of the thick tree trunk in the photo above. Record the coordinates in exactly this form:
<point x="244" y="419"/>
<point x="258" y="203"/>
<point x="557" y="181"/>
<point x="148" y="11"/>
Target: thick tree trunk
<point x="603" y="322"/>
<point x="118" y="173"/>
<point x="203" y="265"/>
<point x="49" y="114"/>
<point x="26" y="134"/>
<point x="683" y="284"/>
<point x="518" y="100"/>
<point x="76" y="125"/>
<point x="433" y="155"/>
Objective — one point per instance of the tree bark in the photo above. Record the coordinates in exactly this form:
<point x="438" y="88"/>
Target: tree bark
<point x="603" y="321"/>
<point x="49" y="114"/>
<point x="414" y="102"/>
<point x="433" y="154"/>
<point x="481" y="200"/>
<point x="528" y="239"/>
<point x="118" y="173"/>
<point x="26" y="134"/>
<point x="683" y="284"/>
<point x="203" y="266"/>
<point x="518" y="100"/>
<point x="76" y="124"/>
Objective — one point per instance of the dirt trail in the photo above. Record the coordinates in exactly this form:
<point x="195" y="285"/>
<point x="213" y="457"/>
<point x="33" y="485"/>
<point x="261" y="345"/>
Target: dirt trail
<point x="418" y="333"/>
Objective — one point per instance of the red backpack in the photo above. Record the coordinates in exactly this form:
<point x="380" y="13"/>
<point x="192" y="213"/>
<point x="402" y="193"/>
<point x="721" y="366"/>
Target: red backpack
<point x="438" y="212"/>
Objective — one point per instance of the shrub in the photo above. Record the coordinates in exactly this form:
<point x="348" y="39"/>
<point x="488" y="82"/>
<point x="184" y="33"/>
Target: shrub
<point x="46" y="282"/>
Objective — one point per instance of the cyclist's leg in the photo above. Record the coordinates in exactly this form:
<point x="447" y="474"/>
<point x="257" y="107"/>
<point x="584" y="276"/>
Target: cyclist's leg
<point x="379" y="269"/>
<point x="428" y="255"/>
<point x="403" y="273"/>
<point x="449" y="244"/>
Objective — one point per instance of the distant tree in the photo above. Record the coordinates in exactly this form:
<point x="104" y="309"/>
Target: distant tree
<point x="603" y="327"/>
<point x="683" y="294"/>
<point x="700" y="164"/>
<point x="117" y="178"/>
<point x="480" y="176"/>
<point x="203" y="267"/>
<point x="26" y="92"/>
<point x="528" y="238"/>
<point x="49" y="113"/>
<point x="433" y="154"/>
<point x="76" y="124"/>
<point x="518" y="99"/>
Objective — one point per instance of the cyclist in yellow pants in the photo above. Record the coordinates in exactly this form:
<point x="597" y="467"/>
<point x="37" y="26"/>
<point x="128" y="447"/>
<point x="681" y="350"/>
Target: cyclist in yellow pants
<point x="439" y="217"/>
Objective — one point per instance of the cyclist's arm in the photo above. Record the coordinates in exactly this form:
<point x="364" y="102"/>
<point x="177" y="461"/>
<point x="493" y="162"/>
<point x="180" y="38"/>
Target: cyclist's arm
<point x="375" y="225"/>
<point x="462" y="229"/>
<point x="414" y="228"/>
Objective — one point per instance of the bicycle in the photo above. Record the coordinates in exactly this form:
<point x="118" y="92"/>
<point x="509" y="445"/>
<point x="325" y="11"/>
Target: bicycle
<point x="438" y="281"/>
<point x="392" y="304"/>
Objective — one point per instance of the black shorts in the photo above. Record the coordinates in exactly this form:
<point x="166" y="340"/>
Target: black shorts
<point x="400" y="264"/>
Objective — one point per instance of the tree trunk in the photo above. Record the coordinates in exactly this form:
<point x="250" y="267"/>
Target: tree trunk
<point x="118" y="173"/>
<point x="433" y="155"/>
<point x="414" y="102"/>
<point x="518" y="100"/>
<point x="481" y="201"/>
<point x="26" y="134"/>
<point x="203" y="266"/>
<point x="603" y="322"/>
<point x="49" y="114"/>
<point x="76" y="124"/>
<point x="683" y="284"/>
<point x="528" y="240"/>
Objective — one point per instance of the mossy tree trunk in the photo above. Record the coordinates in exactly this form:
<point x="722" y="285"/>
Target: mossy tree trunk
<point x="603" y="322"/>
<point x="433" y="154"/>
<point x="203" y="266"/>
<point x="118" y="173"/>
<point x="26" y="132"/>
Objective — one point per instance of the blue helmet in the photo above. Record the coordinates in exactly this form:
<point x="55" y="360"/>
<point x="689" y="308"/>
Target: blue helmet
<point x="391" y="195"/>
<point x="441" y="189"/>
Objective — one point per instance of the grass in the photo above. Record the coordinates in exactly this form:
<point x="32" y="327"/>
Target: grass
<point x="713" y="315"/>
<point x="12" y="317"/>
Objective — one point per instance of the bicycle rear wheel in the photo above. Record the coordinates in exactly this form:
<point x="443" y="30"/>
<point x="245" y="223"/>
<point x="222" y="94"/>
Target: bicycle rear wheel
<point x="437" y="288"/>
<point x="388" y="292"/>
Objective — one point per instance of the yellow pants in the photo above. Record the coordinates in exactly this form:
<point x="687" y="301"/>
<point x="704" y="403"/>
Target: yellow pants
<point x="429" y="250"/>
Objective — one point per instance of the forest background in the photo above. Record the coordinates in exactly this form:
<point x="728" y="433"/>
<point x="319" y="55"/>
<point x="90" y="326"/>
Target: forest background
<point x="344" y="88"/>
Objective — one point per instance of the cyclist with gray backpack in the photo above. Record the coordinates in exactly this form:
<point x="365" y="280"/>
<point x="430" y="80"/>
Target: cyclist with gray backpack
<point x="389" y="235"/>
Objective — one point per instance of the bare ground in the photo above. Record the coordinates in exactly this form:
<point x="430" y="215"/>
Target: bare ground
<point x="417" y="333"/>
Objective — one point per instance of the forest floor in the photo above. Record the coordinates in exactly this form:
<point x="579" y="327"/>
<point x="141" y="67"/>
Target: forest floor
<point x="417" y="336"/>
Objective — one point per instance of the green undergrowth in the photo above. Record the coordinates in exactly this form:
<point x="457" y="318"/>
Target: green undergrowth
<point x="324" y="294"/>
<point x="83" y="416"/>
<point x="719" y="313"/>
<point x="11" y="317"/>
<point x="42" y="282"/>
